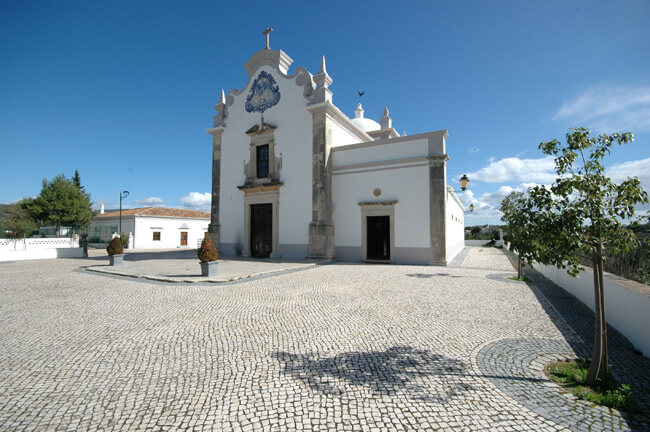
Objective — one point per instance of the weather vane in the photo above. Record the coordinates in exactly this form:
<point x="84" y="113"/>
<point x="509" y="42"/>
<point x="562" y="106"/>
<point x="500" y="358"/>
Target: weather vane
<point x="360" y="93"/>
<point x="266" y="33"/>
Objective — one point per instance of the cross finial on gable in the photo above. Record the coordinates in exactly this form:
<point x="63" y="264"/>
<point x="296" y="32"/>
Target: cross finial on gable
<point x="266" y="33"/>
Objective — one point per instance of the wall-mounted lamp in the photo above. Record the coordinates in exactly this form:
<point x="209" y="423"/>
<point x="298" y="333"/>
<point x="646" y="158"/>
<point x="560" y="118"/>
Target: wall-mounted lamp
<point x="464" y="182"/>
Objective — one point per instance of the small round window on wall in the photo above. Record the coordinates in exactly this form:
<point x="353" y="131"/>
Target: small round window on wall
<point x="376" y="192"/>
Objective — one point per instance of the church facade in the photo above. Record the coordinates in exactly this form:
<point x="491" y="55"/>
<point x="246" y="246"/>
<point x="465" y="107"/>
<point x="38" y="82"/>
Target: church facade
<point x="294" y="178"/>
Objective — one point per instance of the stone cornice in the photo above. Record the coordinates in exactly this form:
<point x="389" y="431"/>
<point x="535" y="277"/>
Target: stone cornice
<point x="338" y="116"/>
<point x="217" y="131"/>
<point x="276" y="58"/>
<point x="372" y="143"/>
<point x="378" y="203"/>
<point x="260" y="187"/>
<point x="438" y="160"/>
<point x="389" y="162"/>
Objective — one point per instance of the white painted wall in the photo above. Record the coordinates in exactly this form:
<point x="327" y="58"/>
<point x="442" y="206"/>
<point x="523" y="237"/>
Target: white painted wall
<point x="374" y="152"/>
<point x="170" y="229"/>
<point x="39" y="248"/>
<point x="626" y="309"/>
<point x="293" y="138"/>
<point x="21" y="255"/>
<point x="341" y="136"/>
<point x="455" y="227"/>
<point x="38" y="243"/>
<point x="407" y="185"/>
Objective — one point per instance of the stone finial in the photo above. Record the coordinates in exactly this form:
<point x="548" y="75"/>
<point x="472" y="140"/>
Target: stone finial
<point x="358" y="113"/>
<point x="323" y="81"/>
<point x="323" y="68"/>
<point x="386" y="121"/>
<point x="222" y="111"/>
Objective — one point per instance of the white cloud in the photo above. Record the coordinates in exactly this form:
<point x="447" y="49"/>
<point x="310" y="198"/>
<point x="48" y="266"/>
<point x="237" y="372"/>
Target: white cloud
<point x="486" y="206"/>
<point x="150" y="202"/>
<point x="515" y="169"/>
<point x="637" y="168"/>
<point x="608" y="108"/>
<point x="474" y="149"/>
<point x="197" y="200"/>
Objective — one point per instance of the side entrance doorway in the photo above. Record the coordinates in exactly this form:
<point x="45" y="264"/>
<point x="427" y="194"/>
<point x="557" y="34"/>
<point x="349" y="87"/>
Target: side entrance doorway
<point x="378" y="238"/>
<point x="261" y="230"/>
<point x="183" y="238"/>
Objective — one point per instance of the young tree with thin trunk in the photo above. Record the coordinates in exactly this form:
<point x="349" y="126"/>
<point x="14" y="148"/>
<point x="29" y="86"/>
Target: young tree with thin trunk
<point x="582" y="213"/>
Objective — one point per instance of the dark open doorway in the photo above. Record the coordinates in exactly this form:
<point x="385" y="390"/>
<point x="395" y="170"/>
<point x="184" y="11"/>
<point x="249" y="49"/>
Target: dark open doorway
<point x="261" y="230"/>
<point x="378" y="238"/>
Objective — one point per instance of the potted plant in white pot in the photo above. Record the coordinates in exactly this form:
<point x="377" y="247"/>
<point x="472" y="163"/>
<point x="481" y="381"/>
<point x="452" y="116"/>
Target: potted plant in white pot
<point x="115" y="251"/>
<point x="208" y="256"/>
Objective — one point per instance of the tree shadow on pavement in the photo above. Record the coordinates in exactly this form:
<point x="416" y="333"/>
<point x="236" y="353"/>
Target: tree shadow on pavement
<point x="576" y="323"/>
<point x="420" y="374"/>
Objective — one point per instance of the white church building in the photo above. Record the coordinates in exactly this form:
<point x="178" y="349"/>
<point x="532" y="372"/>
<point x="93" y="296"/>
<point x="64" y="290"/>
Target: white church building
<point x="293" y="177"/>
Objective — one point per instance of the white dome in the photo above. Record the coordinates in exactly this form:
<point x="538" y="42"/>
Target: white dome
<point x="366" y="124"/>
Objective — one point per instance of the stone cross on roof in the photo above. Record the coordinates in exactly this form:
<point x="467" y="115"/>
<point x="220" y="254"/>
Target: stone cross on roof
<point x="266" y="33"/>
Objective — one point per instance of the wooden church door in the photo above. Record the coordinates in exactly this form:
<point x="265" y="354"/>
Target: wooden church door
<point x="261" y="230"/>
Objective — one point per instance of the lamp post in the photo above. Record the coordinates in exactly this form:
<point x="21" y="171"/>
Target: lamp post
<point x="123" y="194"/>
<point x="471" y="207"/>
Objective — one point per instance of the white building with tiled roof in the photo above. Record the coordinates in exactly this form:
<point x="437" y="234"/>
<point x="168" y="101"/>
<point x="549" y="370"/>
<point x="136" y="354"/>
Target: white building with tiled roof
<point x="153" y="227"/>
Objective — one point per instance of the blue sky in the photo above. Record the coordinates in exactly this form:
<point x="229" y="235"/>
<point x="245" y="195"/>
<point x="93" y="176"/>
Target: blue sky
<point x="123" y="91"/>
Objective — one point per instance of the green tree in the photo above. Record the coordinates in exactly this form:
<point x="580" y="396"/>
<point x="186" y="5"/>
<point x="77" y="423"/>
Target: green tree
<point x="61" y="202"/>
<point x="17" y="222"/>
<point x="524" y="228"/>
<point x="582" y="213"/>
<point x="77" y="180"/>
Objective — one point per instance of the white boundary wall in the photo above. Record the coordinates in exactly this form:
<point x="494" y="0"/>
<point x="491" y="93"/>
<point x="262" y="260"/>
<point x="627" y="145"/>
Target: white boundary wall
<point x="455" y="226"/>
<point x="39" y="248"/>
<point x="626" y="309"/>
<point x="476" y="242"/>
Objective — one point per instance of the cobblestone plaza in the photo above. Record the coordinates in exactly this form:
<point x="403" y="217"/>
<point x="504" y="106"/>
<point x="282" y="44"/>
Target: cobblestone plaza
<point x="324" y="347"/>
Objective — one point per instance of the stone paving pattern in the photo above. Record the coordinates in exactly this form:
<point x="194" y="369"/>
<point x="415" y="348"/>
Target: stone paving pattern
<point x="182" y="266"/>
<point x="516" y="367"/>
<point x="332" y="347"/>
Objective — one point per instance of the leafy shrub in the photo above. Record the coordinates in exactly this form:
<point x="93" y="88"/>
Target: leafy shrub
<point x="94" y="239"/>
<point x="124" y="239"/>
<point x="115" y="247"/>
<point x="207" y="252"/>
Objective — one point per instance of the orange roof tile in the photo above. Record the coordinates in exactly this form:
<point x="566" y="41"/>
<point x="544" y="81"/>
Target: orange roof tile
<point x="157" y="211"/>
